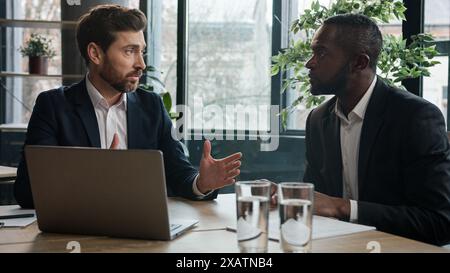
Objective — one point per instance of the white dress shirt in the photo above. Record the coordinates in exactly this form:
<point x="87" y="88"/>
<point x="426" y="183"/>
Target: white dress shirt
<point x="110" y="119"/>
<point x="113" y="119"/>
<point x="350" y="133"/>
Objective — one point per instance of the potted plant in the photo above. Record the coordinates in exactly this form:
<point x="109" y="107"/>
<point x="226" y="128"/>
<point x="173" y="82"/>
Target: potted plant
<point x="38" y="50"/>
<point x="398" y="60"/>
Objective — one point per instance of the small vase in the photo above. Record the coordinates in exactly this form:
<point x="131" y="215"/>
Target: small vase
<point x="38" y="65"/>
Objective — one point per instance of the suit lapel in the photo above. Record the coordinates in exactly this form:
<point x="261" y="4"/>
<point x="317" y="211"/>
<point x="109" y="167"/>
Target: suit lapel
<point x="86" y="111"/>
<point x="135" y="122"/>
<point x="373" y="121"/>
<point x="332" y="138"/>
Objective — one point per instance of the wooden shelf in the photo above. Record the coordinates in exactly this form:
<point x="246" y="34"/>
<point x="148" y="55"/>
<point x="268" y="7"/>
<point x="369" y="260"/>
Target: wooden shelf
<point x="18" y="74"/>
<point x="37" y="23"/>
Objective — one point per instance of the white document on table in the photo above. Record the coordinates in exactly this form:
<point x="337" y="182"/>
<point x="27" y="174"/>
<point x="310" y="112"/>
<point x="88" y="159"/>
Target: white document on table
<point x="16" y="222"/>
<point x="323" y="227"/>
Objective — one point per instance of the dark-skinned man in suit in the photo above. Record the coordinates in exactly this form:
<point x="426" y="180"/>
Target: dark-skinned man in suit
<point x="376" y="154"/>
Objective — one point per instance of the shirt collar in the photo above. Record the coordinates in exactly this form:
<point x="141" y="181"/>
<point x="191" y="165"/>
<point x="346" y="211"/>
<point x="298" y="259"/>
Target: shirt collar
<point x="360" y="109"/>
<point x="97" y="98"/>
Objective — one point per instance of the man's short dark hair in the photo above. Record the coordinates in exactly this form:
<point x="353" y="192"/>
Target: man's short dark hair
<point x="357" y="33"/>
<point x="101" y="23"/>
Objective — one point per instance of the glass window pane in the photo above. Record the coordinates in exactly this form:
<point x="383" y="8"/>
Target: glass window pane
<point x="394" y="27"/>
<point x="21" y="94"/>
<point x="297" y="118"/>
<point x="133" y="4"/>
<point x="437" y="18"/>
<point x="49" y="10"/>
<point x="168" y="48"/>
<point x="162" y="45"/>
<point x="229" y="57"/>
<point x="437" y="22"/>
<point x="435" y="88"/>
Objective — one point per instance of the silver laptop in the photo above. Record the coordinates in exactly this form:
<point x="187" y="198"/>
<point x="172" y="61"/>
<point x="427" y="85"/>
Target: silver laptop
<point x="118" y="193"/>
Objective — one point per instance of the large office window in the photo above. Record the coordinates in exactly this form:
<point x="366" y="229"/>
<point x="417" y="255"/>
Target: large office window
<point x="229" y="53"/>
<point x="297" y="118"/>
<point x="162" y="44"/>
<point x="437" y="19"/>
<point x="437" y="22"/>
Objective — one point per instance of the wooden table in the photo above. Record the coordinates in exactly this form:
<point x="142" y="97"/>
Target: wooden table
<point x="208" y="236"/>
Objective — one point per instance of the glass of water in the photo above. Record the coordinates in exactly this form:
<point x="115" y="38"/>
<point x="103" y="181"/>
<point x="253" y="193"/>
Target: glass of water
<point x="252" y="204"/>
<point x="295" y="205"/>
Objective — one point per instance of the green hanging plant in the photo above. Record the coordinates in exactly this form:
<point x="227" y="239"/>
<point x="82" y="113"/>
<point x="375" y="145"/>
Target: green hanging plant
<point x="397" y="60"/>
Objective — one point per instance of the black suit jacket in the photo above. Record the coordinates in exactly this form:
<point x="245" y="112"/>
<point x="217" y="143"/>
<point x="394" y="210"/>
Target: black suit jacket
<point x="66" y="117"/>
<point x="403" y="167"/>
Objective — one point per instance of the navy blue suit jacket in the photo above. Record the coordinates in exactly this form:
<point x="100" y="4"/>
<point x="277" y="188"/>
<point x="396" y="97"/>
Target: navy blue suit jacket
<point x="66" y="117"/>
<point x="403" y="166"/>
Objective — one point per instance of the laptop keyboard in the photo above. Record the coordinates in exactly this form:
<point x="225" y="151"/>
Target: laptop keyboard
<point x="174" y="226"/>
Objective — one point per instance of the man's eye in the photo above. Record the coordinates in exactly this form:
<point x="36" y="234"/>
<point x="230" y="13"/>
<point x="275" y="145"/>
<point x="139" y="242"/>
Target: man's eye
<point x="129" y="51"/>
<point x="320" y="53"/>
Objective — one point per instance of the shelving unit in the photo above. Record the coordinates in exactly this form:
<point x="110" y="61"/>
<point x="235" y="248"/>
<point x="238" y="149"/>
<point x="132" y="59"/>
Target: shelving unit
<point x="37" y="24"/>
<point x="12" y="136"/>
<point x="62" y="26"/>
<point x="27" y="75"/>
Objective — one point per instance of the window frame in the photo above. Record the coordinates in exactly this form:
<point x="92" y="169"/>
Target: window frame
<point x="182" y="57"/>
<point x="444" y="51"/>
<point x="3" y="64"/>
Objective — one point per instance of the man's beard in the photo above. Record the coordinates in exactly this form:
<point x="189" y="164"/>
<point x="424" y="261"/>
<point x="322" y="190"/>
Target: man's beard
<point x="334" y="86"/>
<point x="121" y="86"/>
<point x="124" y="87"/>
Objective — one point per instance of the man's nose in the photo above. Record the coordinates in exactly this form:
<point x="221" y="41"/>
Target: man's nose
<point x="140" y="63"/>
<point x="310" y="63"/>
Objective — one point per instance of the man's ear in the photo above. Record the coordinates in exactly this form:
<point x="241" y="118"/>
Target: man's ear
<point x="95" y="53"/>
<point x="362" y="62"/>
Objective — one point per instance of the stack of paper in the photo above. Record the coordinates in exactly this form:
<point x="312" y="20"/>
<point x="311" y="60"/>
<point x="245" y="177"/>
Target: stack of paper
<point x="323" y="227"/>
<point x="16" y="222"/>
